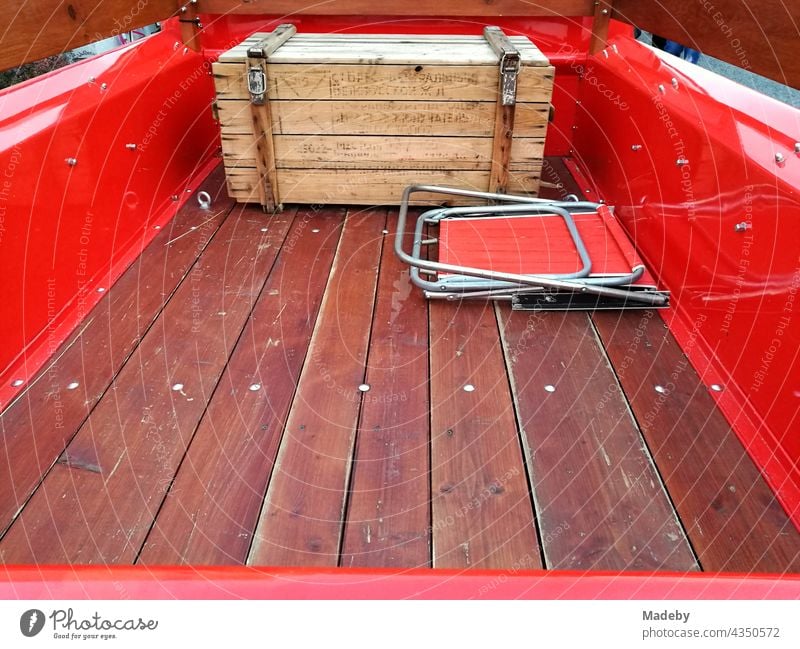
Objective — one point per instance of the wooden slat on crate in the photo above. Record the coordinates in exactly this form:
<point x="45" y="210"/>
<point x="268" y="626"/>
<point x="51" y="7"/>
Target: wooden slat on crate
<point x="482" y="510"/>
<point x="382" y="152"/>
<point x="342" y="186"/>
<point x="261" y="115"/>
<point x="302" y="519"/>
<point x="383" y="82"/>
<point x="354" y="49"/>
<point x="304" y="117"/>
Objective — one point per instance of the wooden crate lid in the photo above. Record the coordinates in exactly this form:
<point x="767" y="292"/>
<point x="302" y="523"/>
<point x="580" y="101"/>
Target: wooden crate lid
<point x="387" y="49"/>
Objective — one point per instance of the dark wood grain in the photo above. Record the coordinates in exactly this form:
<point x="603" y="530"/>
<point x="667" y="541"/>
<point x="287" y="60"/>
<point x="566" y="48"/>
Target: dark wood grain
<point x="98" y="502"/>
<point x="41" y="28"/>
<point x="601" y="504"/>
<point x="731" y="516"/>
<point x="600" y="23"/>
<point x="302" y="519"/>
<point x="482" y="511"/>
<point x="38" y="425"/>
<point x="388" y="516"/>
<point x="758" y="35"/>
<point x="212" y="509"/>
<point x="483" y="8"/>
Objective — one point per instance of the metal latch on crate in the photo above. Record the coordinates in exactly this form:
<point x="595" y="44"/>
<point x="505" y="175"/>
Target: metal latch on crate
<point x="256" y="84"/>
<point x="257" y="58"/>
<point x="509" y="63"/>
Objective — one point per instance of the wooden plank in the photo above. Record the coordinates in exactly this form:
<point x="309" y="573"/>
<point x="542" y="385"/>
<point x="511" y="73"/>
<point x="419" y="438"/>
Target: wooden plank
<point x="384" y="82"/>
<point x="387" y="49"/>
<point x="261" y="116"/>
<point x="758" y="36"/>
<point x="557" y="182"/>
<point x="264" y="152"/>
<point x="40" y="422"/>
<point x="731" y="516"/>
<point x="401" y="51"/>
<point x="502" y="141"/>
<point x="482" y="511"/>
<point x="460" y="118"/>
<point x="115" y="472"/>
<point x="339" y="37"/>
<point x="210" y="513"/>
<point x="388" y="515"/>
<point x="302" y="519"/>
<point x="189" y="21"/>
<point x="602" y="19"/>
<point x="600" y="501"/>
<point x="403" y="8"/>
<point x="381" y="152"/>
<point x="332" y="186"/>
<point x="42" y="28"/>
<point x="505" y="109"/>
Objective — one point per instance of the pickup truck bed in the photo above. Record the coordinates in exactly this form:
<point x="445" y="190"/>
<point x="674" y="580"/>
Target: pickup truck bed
<point x="269" y="389"/>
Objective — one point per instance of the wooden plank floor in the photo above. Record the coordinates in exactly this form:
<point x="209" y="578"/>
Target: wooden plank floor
<point x="280" y="395"/>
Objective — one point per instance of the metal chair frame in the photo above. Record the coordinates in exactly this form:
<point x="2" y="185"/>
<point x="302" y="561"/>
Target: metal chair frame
<point x="469" y="282"/>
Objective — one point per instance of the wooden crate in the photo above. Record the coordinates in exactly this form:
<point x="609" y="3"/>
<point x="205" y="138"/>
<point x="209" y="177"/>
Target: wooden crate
<point x="356" y="118"/>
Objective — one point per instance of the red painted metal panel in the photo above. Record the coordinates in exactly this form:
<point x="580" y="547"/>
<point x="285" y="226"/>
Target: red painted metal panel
<point x="68" y="583"/>
<point x="68" y="229"/>
<point x="686" y="156"/>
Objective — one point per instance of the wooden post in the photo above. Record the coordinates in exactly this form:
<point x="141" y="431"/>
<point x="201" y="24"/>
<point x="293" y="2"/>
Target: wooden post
<point x="602" y="17"/>
<point x="506" y="108"/>
<point x="190" y="24"/>
<point x="262" y="115"/>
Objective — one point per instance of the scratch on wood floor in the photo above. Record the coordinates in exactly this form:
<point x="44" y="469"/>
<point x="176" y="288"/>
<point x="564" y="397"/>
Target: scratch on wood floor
<point x="278" y="317"/>
<point x="116" y="466"/>
<point x="78" y="463"/>
<point x="193" y="229"/>
<point x="465" y="550"/>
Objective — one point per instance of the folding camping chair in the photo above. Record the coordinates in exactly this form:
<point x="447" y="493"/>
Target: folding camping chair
<point x="538" y="253"/>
